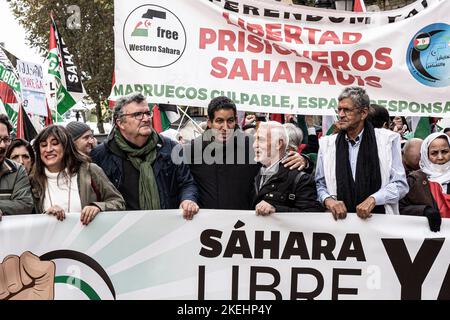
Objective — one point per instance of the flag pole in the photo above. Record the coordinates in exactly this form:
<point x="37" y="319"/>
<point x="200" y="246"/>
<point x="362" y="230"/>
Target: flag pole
<point x="187" y="116"/>
<point x="181" y="121"/>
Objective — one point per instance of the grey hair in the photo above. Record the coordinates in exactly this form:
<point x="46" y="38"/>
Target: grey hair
<point x="123" y="101"/>
<point x="277" y="130"/>
<point x="358" y="96"/>
<point x="295" y="135"/>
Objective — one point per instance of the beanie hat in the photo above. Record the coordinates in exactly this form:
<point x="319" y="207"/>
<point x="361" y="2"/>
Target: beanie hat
<point x="76" y="129"/>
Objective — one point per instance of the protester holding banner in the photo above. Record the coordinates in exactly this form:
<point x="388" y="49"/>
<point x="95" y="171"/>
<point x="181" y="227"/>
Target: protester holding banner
<point x="222" y="160"/>
<point x="21" y="152"/>
<point x="429" y="193"/>
<point x="63" y="180"/>
<point x="138" y="161"/>
<point x="15" y="193"/>
<point x="277" y="188"/>
<point x="359" y="169"/>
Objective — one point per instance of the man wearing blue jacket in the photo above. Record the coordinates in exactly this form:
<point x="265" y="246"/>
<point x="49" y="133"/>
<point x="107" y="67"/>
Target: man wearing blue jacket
<point x="138" y="162"/>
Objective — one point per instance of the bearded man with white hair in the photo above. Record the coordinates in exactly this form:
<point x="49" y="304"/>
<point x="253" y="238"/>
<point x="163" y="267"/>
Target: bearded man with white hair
<point x="279" y="189"/>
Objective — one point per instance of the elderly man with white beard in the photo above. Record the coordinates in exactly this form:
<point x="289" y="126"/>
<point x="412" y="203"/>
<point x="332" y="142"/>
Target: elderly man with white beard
<point x="277" y="188"/>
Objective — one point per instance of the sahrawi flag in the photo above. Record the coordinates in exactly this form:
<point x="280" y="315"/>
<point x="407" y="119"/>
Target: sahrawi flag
<point x="10" y="89"/>
<point x="69" y="89"/>
<point x="164" y="115"/>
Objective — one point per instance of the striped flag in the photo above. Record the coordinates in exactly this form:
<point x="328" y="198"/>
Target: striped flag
<point x="66" y="75"/>
<point x="164" y="115"/>
<point x="359" y="6"/>
<point x="328" y="125"/>
<point x="421" y="42"/>
<point x="111" y="103"/>
<point x="25" y="129"/>
<point x="421" y="127"/>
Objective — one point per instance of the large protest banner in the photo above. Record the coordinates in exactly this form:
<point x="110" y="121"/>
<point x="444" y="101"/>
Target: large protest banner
<point x="225" y="255"/>
<point x="271" y="57"/>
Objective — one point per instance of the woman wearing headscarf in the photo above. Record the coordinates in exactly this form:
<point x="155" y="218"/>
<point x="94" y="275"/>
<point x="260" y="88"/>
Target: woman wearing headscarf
<point x="429" y="187"/>
<point x="63" y="180"/>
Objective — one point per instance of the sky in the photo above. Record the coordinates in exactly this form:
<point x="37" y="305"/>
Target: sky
<point x="13" y="35"/>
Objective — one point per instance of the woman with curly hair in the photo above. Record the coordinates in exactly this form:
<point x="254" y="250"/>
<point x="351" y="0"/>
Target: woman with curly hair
<point x="63" y="180"/>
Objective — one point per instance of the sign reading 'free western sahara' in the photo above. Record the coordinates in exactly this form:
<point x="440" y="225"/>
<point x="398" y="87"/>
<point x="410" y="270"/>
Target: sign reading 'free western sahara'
<point x="188" y="52"/>
<point x="225" y="254"/>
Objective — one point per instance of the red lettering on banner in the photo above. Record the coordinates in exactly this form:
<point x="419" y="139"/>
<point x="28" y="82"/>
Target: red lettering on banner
<point x="207" y="36"/>
<point x="319" y="56"/>
<point x="329" y="36"/>
<point x="239" y="70"/>
<point x="282" y="73"/>
<point x="351" y="37"/>
<point x="255" y="45"/>
<point x="265" y="70"/>
<point x="384" y="59"/>
<point x="311" y="35"/>
<point x="292" y="33"/>
<point x="342" y="80"/>
<point x="273" y="33"/>
<point x="227" y="38"/>
<point x="303" y="71"/>
<point x="340" y="59"/>
<point x="373" y="81"/>
<point x="325" y="75"/>
<point x="219" y="67"/>
<point x="356" y="60"/>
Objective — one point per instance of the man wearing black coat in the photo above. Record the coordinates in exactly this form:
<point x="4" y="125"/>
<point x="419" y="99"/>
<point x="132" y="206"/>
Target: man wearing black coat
<point x="279" y="189"/>
<point x="222" y="160"/>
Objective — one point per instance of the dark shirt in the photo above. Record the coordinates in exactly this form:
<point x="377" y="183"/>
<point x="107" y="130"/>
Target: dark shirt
<point x="223" y="184"/>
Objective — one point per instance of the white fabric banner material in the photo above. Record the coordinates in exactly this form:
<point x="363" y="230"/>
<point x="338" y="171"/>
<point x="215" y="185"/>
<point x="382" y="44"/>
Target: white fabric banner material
<point x="226" y="255"/>
<point x="273" y="57"/>
<point x="33" y="87"/>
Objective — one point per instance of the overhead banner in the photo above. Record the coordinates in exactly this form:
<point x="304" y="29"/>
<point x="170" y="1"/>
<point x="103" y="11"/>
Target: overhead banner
<point x="273" y="57"/>
<point x="225" y="255"/>
<point x="33" y="87"/>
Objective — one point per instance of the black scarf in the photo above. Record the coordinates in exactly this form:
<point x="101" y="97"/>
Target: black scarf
<point x="367" y="175"/>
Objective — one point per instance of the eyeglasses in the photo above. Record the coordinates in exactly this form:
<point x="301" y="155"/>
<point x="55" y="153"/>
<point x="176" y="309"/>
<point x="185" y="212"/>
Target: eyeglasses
<point x="139" y="115"/>
<point x="6" y="140"/>
<point x="346" y="111"/>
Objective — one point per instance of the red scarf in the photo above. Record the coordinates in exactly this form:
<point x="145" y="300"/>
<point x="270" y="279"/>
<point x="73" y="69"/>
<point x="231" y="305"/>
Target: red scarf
<point x="442" y="200"/>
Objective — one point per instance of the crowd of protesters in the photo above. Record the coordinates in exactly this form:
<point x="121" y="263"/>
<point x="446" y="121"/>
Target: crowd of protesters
<point x="370" y="165"/>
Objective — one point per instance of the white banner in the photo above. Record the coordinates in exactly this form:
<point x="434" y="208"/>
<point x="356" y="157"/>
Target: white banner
<point x="33" y="87"/>
<point x="273" y="57"/>
<point x="225" y="255"/>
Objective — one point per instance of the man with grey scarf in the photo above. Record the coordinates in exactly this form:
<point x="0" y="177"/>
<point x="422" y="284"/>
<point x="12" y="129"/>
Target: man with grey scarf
<point x="137" y="160"/>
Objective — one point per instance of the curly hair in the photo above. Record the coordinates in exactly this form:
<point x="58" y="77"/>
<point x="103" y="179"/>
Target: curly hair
<point x="219" y="103"/>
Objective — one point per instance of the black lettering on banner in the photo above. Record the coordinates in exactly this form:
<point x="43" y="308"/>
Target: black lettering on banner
<point x="291" y="249"/>
<point x="207" y="239"/>
<point x="238" y="244"/>
<point x="444" y="293"/>
<point x="335" y="289"/>
<point x="412" y="274"/>
<point x="231" y="6"/>
<point x="254" y="287"/>
<point x="273" y="244"/>
<point x="352" y="239"/>
<point x="235" y="283"/>
<point x="326" y="249"/>
<point x="201" y="283"/>
<point x="294" y="283"/>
